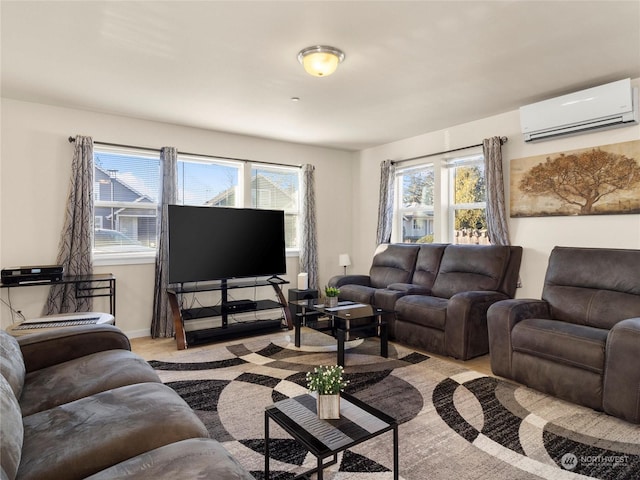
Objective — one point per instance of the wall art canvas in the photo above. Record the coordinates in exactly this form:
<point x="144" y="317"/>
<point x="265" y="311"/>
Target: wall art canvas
<point x="602" y="180"/>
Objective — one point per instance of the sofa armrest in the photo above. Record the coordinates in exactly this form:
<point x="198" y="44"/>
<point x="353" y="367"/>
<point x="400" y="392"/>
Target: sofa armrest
<point x="41" y="350"/>
<point x="340" y="280"/>
<point x="410" y="288"/>
<point x="466" y="327"/>
<point x="621" y="391"/>
<point x="501" y="318"/>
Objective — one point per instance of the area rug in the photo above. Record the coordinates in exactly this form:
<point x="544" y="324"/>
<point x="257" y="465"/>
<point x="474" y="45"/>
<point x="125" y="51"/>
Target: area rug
<point x="455" y="423"/>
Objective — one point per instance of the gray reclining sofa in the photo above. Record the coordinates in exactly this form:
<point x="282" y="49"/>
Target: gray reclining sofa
<point x="440" y="293"/>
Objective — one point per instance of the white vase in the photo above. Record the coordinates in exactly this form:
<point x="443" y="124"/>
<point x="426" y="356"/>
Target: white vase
<point x="332" y="301"/>
<point x="328" y="406"/>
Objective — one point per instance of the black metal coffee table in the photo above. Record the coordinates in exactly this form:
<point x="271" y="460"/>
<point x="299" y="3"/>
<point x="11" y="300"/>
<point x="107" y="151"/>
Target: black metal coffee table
<point x="358" y="423"/>
<point x="348" y="320"/>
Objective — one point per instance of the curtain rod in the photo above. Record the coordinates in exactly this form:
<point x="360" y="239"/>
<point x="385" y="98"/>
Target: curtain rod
<point x="503" y="140"/>
<point x="119" y="145"/>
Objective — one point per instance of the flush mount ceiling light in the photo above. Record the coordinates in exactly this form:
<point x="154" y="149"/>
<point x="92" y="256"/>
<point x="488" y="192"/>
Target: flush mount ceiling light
<point x="320" y="60"/>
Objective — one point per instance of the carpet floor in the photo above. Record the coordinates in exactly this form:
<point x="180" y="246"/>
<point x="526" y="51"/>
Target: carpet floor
<point x="455" y="423"/>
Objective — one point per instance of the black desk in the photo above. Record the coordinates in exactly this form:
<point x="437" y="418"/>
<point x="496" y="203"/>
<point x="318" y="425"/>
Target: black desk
<point x="86" y="286"/>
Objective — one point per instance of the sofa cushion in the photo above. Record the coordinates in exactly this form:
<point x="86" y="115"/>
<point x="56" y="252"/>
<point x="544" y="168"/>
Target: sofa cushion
<point x="471" y="267"/>
<point x="566" y="343"/>
<point x="11" y="362"/>
<point x="594" y="287"/>
<point x="83" y="437"/>
<point x="11" y="430"/>
<point x="423" y="310"/>
<point x="427" y="264"/>
<point x="393" y="263"/>
<point x="188" y="459"/>
<point x="357" y="293"/>
<point x="81" y="377"/>
<point x="387" y="298"/>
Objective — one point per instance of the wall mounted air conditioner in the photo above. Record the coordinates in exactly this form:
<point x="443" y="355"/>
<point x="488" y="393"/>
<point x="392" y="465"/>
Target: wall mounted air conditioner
<point x="607" y="106"/>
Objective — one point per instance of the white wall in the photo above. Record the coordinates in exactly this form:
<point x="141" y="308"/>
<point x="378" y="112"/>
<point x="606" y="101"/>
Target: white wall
<point x="536" y="235"/>
<point x="35" y="170"/>
<point x="35" y="167"/>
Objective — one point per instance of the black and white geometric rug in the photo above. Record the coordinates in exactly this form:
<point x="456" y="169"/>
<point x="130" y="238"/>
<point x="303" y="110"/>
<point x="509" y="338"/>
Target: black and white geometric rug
<point x="455" y="423"/>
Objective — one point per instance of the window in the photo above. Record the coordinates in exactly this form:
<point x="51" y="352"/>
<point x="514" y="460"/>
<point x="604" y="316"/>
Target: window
<point x="278" y="188"/>
<point x="126" y="193"/>
<point x="208" y="182"/>
<point x="415" y="215"/>
<point x="126" y="189"/>
<point x="467" y="201"/>
<point x="441" y="202"/>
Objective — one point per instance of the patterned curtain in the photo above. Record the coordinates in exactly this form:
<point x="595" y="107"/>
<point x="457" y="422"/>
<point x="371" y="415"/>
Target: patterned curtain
<point x="74" y="250"/>
<point x="498" y="227"/>
<point x="385" y="203"/>
<point x="162" y="321"/>
<point x="309" y="238"/>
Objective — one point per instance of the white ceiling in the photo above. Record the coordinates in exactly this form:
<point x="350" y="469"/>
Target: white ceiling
<point x="410" y="68"/>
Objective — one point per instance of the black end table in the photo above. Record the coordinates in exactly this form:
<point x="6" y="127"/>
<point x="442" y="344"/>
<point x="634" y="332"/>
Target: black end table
<point x="348" y="319"/>
<point x="358" y="423"/>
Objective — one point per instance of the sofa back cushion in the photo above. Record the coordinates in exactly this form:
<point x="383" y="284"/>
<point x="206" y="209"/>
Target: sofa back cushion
<point x="471" y="267"/>
<point x="427" y="264"/>
<point x="11" y="362"/>
<point x="11" y="430"/>
<point x="597" y="287"/>
<point x="393" y="263"/>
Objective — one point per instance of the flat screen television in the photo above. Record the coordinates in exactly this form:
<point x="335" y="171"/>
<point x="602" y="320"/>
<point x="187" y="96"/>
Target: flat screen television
<point x="218" y="243"/>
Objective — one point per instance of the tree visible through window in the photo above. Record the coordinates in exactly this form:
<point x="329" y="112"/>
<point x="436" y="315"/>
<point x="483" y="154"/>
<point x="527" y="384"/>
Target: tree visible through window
<point x="468" y="205"/>
<point x="450" y="195"/>
<point x="415" y="214"/>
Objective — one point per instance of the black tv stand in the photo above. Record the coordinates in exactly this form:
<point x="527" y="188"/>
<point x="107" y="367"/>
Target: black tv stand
<point x="277" y="280"/>
<point x="185" y="339"/>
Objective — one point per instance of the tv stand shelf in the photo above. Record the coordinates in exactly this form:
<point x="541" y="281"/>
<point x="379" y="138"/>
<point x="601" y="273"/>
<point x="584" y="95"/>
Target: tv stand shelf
<point x="185" y="339"/>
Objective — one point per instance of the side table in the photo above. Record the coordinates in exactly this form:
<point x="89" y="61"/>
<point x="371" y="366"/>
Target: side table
<point x="358" y="423"/>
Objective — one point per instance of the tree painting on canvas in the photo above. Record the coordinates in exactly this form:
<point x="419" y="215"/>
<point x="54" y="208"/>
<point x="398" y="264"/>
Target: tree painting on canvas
<point x="602" y="180"/>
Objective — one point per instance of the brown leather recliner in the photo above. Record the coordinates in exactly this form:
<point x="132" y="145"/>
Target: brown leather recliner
<point x="581" y="341"/>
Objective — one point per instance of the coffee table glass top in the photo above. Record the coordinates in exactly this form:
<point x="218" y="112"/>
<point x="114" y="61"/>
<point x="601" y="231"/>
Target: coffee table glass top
<point x="345" y="310"/>
<point x="358" y="422"/>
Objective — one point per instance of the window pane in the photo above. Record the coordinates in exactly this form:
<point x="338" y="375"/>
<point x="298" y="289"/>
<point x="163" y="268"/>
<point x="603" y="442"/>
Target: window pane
<point x="417" y="188"/>
<point x="274" y="189"/>
<point x="469" y="184"/>
<point x="470" y="227"/>
<point x="207" y="183"/>
<point x="278" y="189"/>
<point x="126" y="190"/>
<point x="417" y="227"/>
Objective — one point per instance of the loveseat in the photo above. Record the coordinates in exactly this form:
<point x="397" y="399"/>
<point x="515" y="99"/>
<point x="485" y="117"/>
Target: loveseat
<point x="581" y="340"/>
<point x="77" y="403"/>
<point x="440" y="293"/>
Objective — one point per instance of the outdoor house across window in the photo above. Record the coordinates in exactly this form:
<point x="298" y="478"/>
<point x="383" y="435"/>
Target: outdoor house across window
<point x="415" y="188"/>
<point x="127" y="191"/>
<point x="442" y="201"/>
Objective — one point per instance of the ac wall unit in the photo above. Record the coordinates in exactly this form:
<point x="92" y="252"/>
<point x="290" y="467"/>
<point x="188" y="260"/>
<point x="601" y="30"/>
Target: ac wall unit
<point x="607" y="106"/>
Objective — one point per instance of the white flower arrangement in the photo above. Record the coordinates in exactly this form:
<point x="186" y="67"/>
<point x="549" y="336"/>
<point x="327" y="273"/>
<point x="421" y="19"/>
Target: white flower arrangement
<point x="326" y="380"/>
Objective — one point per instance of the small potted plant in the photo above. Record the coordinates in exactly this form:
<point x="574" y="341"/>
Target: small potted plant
<point x="332" y="296"/>
<point x="327" y="382"/>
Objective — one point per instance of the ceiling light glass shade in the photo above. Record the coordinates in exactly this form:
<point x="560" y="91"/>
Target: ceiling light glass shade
<point x="320" y="60"/>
